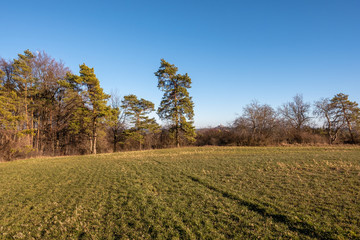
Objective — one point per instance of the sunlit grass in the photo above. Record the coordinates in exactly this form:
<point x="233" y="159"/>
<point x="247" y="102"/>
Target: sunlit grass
<point x="191" y="193"/>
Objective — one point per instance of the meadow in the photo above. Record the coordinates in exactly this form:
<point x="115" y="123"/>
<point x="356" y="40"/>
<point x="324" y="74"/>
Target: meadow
<point x="186" y="193"/>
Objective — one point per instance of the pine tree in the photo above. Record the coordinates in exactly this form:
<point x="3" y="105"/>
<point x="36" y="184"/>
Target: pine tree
<point x="95" y="101"/>
<point x="22" y="75"/>
<point x="347" y="111"/>
<point x="9" y="120"/>
<point x="8" y="103"/>
<point x="137" y="110"/>
<point x="176" y="105"/>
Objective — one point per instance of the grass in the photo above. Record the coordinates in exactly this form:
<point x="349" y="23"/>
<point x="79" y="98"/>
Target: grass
<point x="188" y="193"/>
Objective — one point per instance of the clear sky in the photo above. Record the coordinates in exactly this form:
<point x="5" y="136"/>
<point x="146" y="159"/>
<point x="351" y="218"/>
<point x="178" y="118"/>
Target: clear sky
<point x="234" y="51"/>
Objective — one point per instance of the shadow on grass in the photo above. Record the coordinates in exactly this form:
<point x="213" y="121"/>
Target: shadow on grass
<point x="299" y="226"/>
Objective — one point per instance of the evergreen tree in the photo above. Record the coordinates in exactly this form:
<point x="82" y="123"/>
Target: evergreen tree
<point x="95" y="106"/>
<point x="70" y="105"/>
<point x="176" y="105"/>
<point x="8" y="103"/>
<point x="22" y="76"/>
<point x="137" y="110"/>
<point x="347" y="111"/>
<point x="7" y="107"/>
<point x="9" y="121"/>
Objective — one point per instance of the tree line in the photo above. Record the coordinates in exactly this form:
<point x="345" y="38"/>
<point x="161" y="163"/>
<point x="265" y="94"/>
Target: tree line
<point x="332" y="121"/>
<point x="45" y="109"/>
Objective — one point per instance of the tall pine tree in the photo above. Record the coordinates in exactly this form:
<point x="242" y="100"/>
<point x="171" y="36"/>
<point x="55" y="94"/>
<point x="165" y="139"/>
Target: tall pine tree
<point x="176" y="105"/>
<point x="23" y="77"/>
<point x="95" y="101"/>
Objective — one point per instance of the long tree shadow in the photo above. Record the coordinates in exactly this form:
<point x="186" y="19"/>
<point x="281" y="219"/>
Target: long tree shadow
<point x="299" y="226"/>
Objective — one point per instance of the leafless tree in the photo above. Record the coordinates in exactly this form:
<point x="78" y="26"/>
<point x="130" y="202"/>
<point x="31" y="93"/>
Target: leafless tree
<point x="116" y="121"/>
<point x="296" y="112"/>
<point x="296" y="116"/>
<point x="259" y="120"/>
<point x="47" y="101"/>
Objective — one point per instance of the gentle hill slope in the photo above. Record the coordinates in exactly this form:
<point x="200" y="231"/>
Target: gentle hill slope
<point x="247" y="192"/>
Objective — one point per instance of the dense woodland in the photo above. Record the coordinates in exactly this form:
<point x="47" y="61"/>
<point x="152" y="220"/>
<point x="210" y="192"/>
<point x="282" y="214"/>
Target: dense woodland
<point x="45" y="109"/>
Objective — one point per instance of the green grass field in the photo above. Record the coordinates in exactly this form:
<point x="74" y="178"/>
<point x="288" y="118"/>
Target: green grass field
<point x="188" y="193"/>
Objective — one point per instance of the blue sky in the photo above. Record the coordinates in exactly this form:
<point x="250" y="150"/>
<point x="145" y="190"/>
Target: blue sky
<point x="234" y="51"/>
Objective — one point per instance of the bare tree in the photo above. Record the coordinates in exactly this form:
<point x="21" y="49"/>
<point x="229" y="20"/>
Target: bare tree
<point x="259" y="120"/>
<point x="296" y="115"/>
<point x="47" y="72"/>
<point x="296" y="112"/>
<point x="116" y="120"/>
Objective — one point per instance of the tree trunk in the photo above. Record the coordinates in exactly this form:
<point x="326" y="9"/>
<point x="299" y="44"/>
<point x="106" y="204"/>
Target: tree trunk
<point x="177" y="136"/>
<point x="38" y="136"/>
<point x="115" y="141"/>
<point x="32" y="137"/>
<point x="93" y="142"/>
<point x="28" y="140"/>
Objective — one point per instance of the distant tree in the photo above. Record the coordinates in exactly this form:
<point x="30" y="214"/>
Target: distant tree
<point x="347" y="111"/>
<point x="176" y="105"/>
<point x="95" y="107"/>
<point x="259" y="120"/>
<point x="296" y="115"/>
<point x="296" y="112"/>
<point x="137" y="110"/>
<point x="326" y="110"/>
<point x="218" y="136"/>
